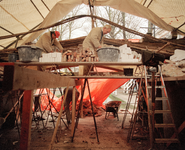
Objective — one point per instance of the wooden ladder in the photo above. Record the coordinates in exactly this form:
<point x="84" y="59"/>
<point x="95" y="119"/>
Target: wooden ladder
<point x="157" y="78"/>
<point x="134" y="84"/>
<point x="135" y="113"/>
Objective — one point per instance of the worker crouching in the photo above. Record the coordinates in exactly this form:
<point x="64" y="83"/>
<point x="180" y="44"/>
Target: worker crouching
<point x="49" y="43"/>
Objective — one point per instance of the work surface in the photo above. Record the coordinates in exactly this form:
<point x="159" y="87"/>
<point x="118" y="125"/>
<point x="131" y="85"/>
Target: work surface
<point x="77" y="63"/>
<point x="108" y="65"/>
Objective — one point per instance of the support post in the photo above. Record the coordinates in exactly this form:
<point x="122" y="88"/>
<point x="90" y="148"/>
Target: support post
<point x="81" y="112"/>
<point x="26" y="120"/>
<point x="73" y="110"/>
<point x="59" y="116"/>
<point x="93" y="111"/>
<point x="153" y="109"/>
<point x="76" y="123"/>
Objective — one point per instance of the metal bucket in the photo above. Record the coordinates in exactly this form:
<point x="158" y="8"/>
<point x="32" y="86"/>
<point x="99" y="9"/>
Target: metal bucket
<point x="108" y="54"/>
<point x="29" y="53"/>
<point x="12" y="57"/>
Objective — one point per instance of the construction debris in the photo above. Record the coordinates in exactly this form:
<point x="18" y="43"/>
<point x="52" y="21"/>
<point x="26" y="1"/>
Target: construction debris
<point x="176" y="65"/>
<point x="74" y="56"/>
<point x="87" y="110"/>
<point x="171" y="69"/>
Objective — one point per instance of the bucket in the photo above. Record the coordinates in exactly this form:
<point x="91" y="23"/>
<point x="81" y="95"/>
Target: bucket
<point x="108" y="54"/>
<point x="12" y="57"/>
<point x="28" y="53"/>
<point x="128" y="71"/>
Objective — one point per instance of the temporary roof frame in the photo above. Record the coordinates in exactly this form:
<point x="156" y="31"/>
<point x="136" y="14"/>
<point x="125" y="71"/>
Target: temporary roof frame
<point x="164" y="14"/>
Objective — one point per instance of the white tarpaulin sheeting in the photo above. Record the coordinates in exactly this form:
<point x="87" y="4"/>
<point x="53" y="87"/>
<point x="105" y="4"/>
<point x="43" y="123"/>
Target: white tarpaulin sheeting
<point x="17" y="16"/>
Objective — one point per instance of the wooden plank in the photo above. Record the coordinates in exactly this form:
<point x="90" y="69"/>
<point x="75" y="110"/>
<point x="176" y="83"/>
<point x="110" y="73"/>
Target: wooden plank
<point x="164" y="125"/>
<point x="118" y="67"/>
<point x="59" y="116"/>
<point x="81" y="112"/>
<point x="25" y="137"/>
<point x="105" y="77"/>
<point x="81" y="70"/>
<point x="162" y="111"/>
<point x="27" y="79"/>
<point x="6" y="63"/>
<point x="182" y="126"/>
<point x="160" y="98"/>
<point x="73" y="64"/>
<point x="77" y="41"/>
<point x="166" y="140"/>
<point x="157" y="87"/>
<point x="174" y="78"/>
<point x="73" y="111"/>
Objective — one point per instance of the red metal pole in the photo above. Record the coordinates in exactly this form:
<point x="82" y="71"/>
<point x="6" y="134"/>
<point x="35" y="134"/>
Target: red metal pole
<point x="26" y="120"/>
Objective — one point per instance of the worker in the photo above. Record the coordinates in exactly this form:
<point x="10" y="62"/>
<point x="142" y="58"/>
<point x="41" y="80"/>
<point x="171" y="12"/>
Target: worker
<point x="68" y="101"/>
<point x="48" y="42"/>
<point x="94" y="39"/>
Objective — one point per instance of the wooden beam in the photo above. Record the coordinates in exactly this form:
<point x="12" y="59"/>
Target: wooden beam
<point x="74" y="64"/>
<point x="59" y="116"/>
<point x="106" y="77"/>
<point x="117" y="66"/>
<point x="9" y="50"/>
<point x="179" y="78"/>
<point x="73" y="110"/>
<point x="81" y="112"/>
<point x="19" y="78"/>
<point x="77" y="41"/>
<point x="25" y="137"/>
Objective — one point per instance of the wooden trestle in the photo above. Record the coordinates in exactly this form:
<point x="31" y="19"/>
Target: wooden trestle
<point x="18" y="76"/>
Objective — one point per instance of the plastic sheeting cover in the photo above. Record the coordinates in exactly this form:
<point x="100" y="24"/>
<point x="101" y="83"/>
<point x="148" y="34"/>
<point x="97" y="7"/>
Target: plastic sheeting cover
<point x="100" y="90"/>
<point x="19" y="16"/>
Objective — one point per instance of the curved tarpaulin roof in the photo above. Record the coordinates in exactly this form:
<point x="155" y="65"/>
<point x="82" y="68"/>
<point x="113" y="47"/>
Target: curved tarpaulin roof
<point x="19" y="16"/>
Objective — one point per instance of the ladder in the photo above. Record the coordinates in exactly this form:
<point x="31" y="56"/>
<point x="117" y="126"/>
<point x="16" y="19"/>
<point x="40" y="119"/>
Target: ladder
<point x="133" y="84"/>
<point x="138" y="110"/>
<point x="158" y="131"/>
<point x="135" y="112"/>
